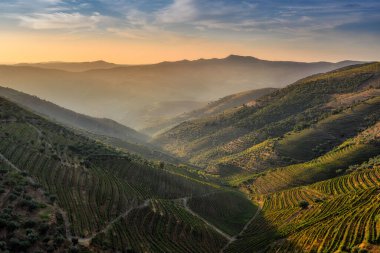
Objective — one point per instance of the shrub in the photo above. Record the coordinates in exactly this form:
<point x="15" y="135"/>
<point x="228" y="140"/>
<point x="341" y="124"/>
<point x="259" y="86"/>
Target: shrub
<point x="3" y="245"/>
<point x="74" y="240"/>
<point x="33" y="237"/>
<point x="52" y="198"/>
<point x="19" y="189"/>
<point x="14" y="243"/>
<point x="58" y="240"/>
<point x="29" y="204"/>
<point x="12" y="197"/>
<point x="43" y="228"/>
<point x="3" y="222"/>
<point x="13" y="225"/>
<point x="29" y="224"/>
<point x="27" y="197"/>
<point x="303" y="204"/>
<point x="355" y="249"/>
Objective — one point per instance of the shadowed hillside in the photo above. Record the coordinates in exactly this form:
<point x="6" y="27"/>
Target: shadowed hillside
<point x="70" y="118"/>
<point x="231" y="102"/>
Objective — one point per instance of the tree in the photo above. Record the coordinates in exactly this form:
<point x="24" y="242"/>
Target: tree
<point x="303" y="204"/>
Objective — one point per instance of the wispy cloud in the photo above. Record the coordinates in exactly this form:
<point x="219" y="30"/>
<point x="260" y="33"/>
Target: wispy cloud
<point x="140" y="19"/>
<point x="60" y="20"/>
<point x="178" y="12"/>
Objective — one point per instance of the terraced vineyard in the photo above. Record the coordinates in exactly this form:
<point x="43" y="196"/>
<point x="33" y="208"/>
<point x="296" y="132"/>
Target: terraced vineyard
<point x="230" y="218"/>
<point x="306" y="163"/>
<point x="327" y="166"/>
<point x="97" y="187"/>
<point x="160" y="226"/>
<point x="340" y="214"/>
<point x="297" y="107"/>
<point x="300" y="146"/>
<point x="343" y="216"/>
<point x="328" y="133"/>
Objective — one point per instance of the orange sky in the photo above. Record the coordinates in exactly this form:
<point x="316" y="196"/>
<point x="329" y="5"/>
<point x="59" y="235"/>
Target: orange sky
<point x="32" y="47"/>
<point x="145" y="31"/>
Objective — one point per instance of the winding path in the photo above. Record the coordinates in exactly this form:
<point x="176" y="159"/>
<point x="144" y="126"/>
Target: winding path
<point x="86" y="241"/>
<point x="204" y="220"/>
<point x="243" y="230"/>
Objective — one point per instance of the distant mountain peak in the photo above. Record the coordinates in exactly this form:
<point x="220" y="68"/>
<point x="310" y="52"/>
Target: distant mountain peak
<point x="102" y="61"/>
<point x="234" y="57"/>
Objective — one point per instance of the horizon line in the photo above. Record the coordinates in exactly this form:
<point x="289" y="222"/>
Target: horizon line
<point x="181" y="60"/>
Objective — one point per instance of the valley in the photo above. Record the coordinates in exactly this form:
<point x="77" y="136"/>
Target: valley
<point x="140" y="96"/>
<point x="189" y="126"/>
<point x="292" y="169"/>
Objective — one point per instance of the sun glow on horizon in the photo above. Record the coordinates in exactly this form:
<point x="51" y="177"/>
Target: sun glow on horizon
<point x="127" y="32"/>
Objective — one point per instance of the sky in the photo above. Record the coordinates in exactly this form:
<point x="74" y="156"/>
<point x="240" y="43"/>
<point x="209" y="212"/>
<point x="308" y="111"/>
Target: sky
<point x="149" y="31"/>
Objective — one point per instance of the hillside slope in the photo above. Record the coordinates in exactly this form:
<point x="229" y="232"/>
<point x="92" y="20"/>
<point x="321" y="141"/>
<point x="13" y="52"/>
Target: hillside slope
<point x="337" y="215"/>
<point x="96" y="187"/>
<point x="226" y="103"/>
<point x="353" y="151"/>
<point x="70" y="118"/>
<point x="305" y="109"/>
<point x="303" y="145"/>
<point x="104" y="130"/>
<point x="30" y="221"/>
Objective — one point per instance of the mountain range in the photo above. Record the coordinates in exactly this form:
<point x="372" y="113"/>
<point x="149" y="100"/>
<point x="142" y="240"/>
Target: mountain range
<point x="135" y="95"/>
<point x="72" y="66"/>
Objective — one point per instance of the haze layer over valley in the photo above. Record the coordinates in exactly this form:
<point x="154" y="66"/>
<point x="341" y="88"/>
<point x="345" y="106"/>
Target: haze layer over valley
<point x="144" y="95"/>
